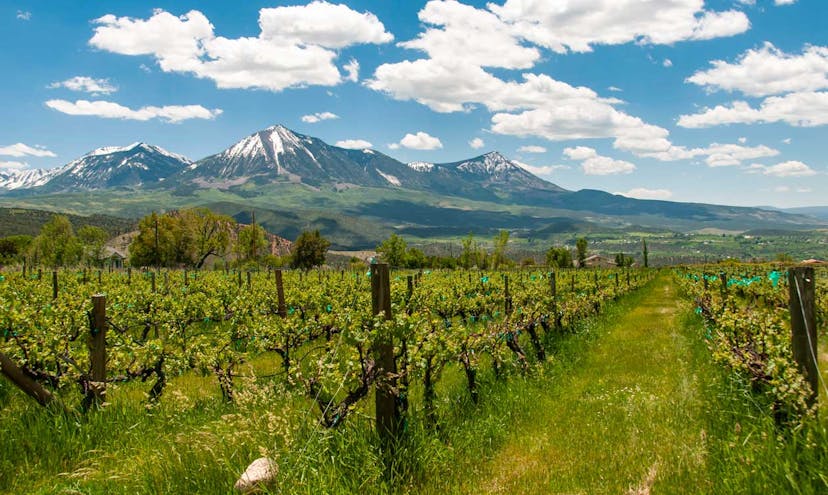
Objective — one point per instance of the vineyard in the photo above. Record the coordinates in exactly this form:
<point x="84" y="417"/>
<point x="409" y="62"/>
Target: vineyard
<point x="277" y="355"/>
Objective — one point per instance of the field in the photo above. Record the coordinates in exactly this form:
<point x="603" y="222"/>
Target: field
<point x="505" y="382"/>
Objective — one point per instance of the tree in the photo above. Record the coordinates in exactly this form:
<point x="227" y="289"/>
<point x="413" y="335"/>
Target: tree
<point x="471" y="254"/>
<point x="622" y="260"/>
<point x="92" y="239"/>
<point x="499" y="254"/>
<point x="160" y="241"/>
<point x="208" y="234"/>
<point x="559" y="257"/>
<point x="581" y="245"/>
<point x="251" y="243"/>
<point x="415" y="258"/>
<point x="646" y="253"/>
<point x="14" y="247"/>
<point x="392" y="250"/>
<point x="309" y="250"/>
<point x="56" y="245"/>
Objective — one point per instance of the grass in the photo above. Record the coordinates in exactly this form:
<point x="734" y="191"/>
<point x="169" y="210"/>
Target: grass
<point x="628" y="403"/>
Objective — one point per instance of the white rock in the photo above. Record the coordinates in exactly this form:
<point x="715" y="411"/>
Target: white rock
<point x="259" y="472"/>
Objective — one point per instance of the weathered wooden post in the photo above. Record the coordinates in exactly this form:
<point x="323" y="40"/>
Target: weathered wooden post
<point x="129" y="275"/>
<point x="280" y="293"/>
<point x="387" y="410"/>
<point x="628" y="279"/>
<point x="96" y="342"/>
<point x="54" y="284"/>
<point x="249" y="280"/>
<point x="40" y="273"/>
<point x="507" y="300"/>
<point x="33" y="389"/>
<point x="100" y="275"/>
<point x="801" y="287"/>
<point x="186" y="279"/>
<point x="152" y="277"/>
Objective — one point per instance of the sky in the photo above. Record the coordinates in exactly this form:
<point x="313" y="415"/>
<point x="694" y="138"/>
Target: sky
<point x="718" y="101"/>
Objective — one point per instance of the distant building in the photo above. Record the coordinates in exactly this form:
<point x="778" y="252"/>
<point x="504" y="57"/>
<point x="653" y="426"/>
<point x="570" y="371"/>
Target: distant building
<point x="597" y="261"/>
<point x="115" y="258"/>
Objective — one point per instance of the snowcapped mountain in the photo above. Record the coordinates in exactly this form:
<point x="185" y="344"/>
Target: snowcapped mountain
<point x="14" y="179"/>
<point x="138" y="164"/>
<point x="277" y="154"/>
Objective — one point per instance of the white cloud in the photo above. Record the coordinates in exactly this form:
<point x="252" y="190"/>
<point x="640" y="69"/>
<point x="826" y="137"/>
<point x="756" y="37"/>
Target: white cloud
<point x="19" y="149"/>
<point x="542" y="170"/>
<point x="86" y="84"/>
<point x="667" y="63"/>
<point x="578" y="26"/>
<point x="477" y="36"/>
<point x="111" y="110"/>
<point x="784" y="2"/>
<point x="352" y="70"/>
<point x="532" y="149"/>
<point x="742" y="140"/>
<point x="723" y="155"/>
<point x="354" y="144"/>
<point x="318" y="117"/>
<point x="24" y="15"/>
<point x="768" y="71"/>
<point x="796" y="109"/>
<point x="787" y="140"/>
<point x="643" y="193"/>
<point x="394" y="146"/>
<point x="296" y="46"/>
<point x="477" y="143"/>
<point x="594" y="164"/>
<point x="615" y="89"/>
<point x="13" y="165"/>
<point x="787" y="169"/>
<point x="460" y="41"/>
<point x="420" y="141"/>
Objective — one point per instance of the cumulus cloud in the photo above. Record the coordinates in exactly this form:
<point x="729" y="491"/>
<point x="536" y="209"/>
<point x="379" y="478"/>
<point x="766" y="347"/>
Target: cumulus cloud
<point x="86" y="84"/>
<point x="532" y="149"/>
<point x="296" y="46"/>
<point x="352" y="70"/>
<point x="723" y="155"/>
<point x="420" y="141"/>
<point x="594" y="164"/>
<point x="13" y="165"/>
<point x="784" y="2"/>
<point x="644" y="193"/>
<point x="111" y="110"/>
<point x="542" y="170"/>
<point x="768" y="71"/>
<point x="476" y="143"/>
<point x="318" y="117"/>
<point x="24" y="15"/>
<point x="791" y="168"/>
<point x="809" y="109"/>
<point x="461" y="42"/>
<point x="354" y="144"/>
<point x="667" y="63"/>
<point x="18" y="150"/>
<point x="578" y="26"/>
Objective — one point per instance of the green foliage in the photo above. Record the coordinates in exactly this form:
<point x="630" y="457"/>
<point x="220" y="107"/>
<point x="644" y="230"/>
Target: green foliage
<point x="393" y="251"/>
<point x="56" y="245"/>
<point x="207" y="233"/>
<point x="581" y="246"/>
<point x="14" y="247"/>
<point x="623" y="260"/>
<point x="499" y="255"/>
<point x="645" y="252"/>
<point x="251" y="244"/>
<point x="472" y="254"/>
<point x="93" y="239"/>
<point x="158" y="242"/>
<point x="309" y="250"/>
<point x="559" y="257"/>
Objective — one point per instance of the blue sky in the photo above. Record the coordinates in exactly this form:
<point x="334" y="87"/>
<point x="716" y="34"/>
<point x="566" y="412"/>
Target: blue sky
<point x="720" y="101"/>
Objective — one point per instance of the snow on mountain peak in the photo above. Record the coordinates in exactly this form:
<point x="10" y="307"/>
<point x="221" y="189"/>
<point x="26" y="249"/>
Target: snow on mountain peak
<point x="421" y="166"/>
<point x="492" y="163"/>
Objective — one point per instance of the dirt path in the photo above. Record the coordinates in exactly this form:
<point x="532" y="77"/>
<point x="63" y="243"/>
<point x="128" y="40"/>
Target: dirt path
<point x="627" y="419"/>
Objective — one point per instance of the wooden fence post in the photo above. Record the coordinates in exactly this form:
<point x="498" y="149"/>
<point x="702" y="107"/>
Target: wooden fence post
<point x="33" y="389"/>
<point x="387" y="409"/>
<point x="507" y="300"/>
<point x="249" y="280"/>
<point x="280" y="293"/>
<point x="97" y="353"/>
<point x="152" y="276"/>
<point x="129" y="275"/>
<point x="54" y="284"/>
<point x="801" y="287"/>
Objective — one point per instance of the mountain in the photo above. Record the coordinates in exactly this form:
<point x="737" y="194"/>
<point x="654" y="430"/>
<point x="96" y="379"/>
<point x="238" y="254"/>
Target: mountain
<point x="820" y="212"/>
<point x="277" y="154"/>
<point x="13" y="179"/>
<point x="130" y="166"/>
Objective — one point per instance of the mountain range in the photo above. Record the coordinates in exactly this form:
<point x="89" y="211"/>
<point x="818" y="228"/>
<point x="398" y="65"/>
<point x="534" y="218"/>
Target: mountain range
<point x="304" y="182"/>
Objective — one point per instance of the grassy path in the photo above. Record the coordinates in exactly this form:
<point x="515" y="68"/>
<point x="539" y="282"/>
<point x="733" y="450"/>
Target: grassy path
<point x="627" y="418"/>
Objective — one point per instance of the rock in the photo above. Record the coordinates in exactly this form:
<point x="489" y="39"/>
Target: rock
<point x="260" y="472"/>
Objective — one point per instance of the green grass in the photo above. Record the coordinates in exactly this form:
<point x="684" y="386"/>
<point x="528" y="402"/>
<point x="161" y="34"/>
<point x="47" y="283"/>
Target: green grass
<point x="628" y="403"/>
